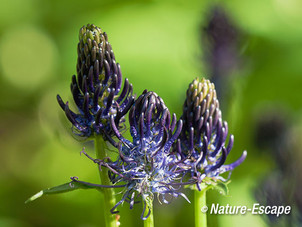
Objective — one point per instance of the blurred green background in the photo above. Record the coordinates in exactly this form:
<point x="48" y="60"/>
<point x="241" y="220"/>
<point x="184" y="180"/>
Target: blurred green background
<point x="159" y="46"/>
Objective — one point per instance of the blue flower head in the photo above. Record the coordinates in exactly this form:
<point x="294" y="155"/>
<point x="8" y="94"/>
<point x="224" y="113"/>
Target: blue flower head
<point x="164" y="153"/>
<point x="147" y="164"/>
<point x="97" y="88"/>
<point x="202" y="143"/>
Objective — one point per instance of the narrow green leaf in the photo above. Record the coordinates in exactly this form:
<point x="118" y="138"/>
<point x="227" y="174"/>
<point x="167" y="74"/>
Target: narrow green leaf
<point x="74" y="185"/>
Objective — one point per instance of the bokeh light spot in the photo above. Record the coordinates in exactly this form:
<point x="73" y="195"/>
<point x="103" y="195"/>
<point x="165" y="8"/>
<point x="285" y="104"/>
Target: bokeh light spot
<point x="27" y="57"/>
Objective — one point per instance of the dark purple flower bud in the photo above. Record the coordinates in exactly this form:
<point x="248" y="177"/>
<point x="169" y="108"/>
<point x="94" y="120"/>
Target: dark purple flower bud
<point x="220" y="40"/>
<point x="97" y="88"/>
<point x="203" y="140"/>
<point x="147" y="163"/>
<point x="271" y="135"/>
<point x="273" y="191"/>
<point x="222" y="43"/>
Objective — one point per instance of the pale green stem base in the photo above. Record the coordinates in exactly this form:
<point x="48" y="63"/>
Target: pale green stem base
<point x="150" y="220"/>
<point x="199" y="206"/>
<point x="109" y="198"/>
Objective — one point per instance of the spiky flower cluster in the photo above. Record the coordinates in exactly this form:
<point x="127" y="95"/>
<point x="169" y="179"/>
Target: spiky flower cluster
<point x="164" y="153"/>
<point x="96" y="89"/>
<point x="203" y="138"/>
<point x="147" y="164"/>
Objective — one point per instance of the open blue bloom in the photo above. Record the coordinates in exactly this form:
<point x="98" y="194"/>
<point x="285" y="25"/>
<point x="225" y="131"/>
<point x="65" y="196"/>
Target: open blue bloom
<point x="96" y="89"/>
<point x="202" y="143"/>
<point x="146" y="164"/>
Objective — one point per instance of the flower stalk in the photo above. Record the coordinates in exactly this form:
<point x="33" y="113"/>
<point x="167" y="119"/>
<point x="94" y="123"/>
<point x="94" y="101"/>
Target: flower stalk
<point x="149" y="222"/>
<point x="200" y="207"/>
<point x="101" y="149"/>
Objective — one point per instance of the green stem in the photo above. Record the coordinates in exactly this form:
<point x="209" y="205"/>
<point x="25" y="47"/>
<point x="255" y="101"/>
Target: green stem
<point x="200" y="207"/>
<point x="150" y="220"/>
<point x="109" y="198"/>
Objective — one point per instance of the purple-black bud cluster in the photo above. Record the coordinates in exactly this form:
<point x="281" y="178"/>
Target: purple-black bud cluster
<point x="220" y="40"/>
<point x="97" y="88"/>
<point x="202" y="142"/>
